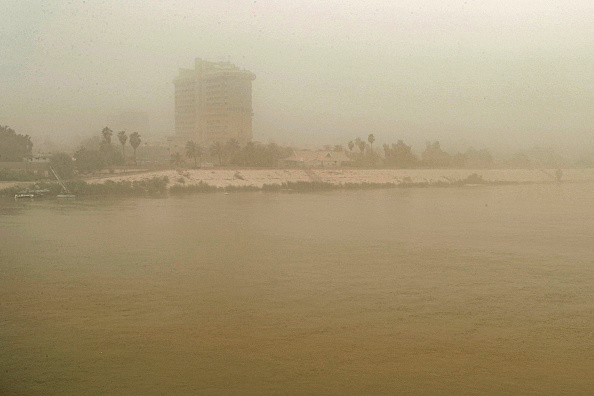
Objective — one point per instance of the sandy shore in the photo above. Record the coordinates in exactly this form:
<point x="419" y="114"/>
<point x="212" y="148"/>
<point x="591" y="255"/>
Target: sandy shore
<point x="259" y="177"/>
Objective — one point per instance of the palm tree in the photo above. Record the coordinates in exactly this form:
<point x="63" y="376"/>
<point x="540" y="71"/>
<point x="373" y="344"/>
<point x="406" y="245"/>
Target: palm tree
<point x="361" y="144"/>
<point x="232" y="147"/>
<point x="219" y="150"/>
<point x="123" y="138"/>
<point x="193" y="151"/>
<point x="107" y="133"/>
<point x="135" y="142"/>
<point x="177" y="159"/>
<point x="233" y="143"/>
<point x="371" y="139"/>
<point x="105" y="144"/>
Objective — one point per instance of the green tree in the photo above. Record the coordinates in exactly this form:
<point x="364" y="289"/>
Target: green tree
<point x="62" y="163"/>
<point x="177" y="159"/>
<point x="88" y="161"/>
<point x="259" y="155"/>
<point x="135" y="142"/>
<point x="218" y="150"/>
<point x="435" y="157"/>
<point x="123" y="138"/>
<point x="361" y="145"/>
<point x="232" y="147"/>
<point x="400" y="155"/>
<point x="13" y="146"/>
<point x="107" y="134"/>
<point x="193" y="151"/>
<point x="371" y="139"/>
<point x="92" y="143"/>
<point x="109" y="154"/>
<point x="351" y="146"/>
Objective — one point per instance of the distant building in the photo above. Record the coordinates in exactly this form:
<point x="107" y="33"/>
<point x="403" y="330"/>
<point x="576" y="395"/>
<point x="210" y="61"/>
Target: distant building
<point x="213" y="103"/>
<point x="315" y="159"/>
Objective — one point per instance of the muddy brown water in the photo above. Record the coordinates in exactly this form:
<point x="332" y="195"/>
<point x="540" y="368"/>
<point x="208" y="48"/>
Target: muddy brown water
<point x="478" y="290"/>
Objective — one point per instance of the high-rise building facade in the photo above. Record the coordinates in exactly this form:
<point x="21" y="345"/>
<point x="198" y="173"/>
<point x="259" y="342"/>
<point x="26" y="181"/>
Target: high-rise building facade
<point x="213" y="103"/>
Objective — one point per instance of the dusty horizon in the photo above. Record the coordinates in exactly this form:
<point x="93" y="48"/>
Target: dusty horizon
<point x="191" y="267"/>
<point x="509" y="76"/>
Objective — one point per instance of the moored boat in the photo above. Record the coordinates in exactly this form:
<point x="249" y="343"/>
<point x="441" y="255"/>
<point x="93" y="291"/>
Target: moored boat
<point x="24" y="194"/>
<point x="66" y="194"/>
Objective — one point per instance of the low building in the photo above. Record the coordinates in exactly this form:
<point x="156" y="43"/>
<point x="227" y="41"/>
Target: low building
<point x="315" y="159"/>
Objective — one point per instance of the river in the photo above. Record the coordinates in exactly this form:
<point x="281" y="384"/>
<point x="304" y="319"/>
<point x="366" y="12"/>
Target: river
<point x="474" y="290"/>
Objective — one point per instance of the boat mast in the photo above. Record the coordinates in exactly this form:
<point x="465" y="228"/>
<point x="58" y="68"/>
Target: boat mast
<point x="59" y="180"/>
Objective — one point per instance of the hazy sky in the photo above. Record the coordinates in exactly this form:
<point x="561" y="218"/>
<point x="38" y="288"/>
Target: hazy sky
<point x="486" y="73"/>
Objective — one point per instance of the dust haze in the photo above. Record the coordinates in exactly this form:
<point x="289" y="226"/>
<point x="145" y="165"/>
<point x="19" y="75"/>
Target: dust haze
<point x="510" y="74"/>
<point x="212" y="266"/>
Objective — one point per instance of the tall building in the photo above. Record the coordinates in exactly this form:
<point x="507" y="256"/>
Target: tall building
<point x="213" y="103"/>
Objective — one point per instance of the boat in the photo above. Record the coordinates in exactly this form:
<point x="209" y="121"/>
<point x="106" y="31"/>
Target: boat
<point x="24" y="194"/>
<point x="41" y="192"/>
<point x="66" y="194"/>
<point x="31" y="193"/>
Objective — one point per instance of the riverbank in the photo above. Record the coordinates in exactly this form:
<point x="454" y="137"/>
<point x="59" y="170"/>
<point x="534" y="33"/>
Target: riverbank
<point x="260" y="177"/>
<point x="208" y="180"/>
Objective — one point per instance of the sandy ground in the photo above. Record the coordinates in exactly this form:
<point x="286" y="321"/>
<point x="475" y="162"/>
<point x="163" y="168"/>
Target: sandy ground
<point x="259" y="177"/>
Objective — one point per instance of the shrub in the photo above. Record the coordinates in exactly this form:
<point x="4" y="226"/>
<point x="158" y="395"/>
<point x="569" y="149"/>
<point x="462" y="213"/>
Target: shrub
<point x="200" y="187"/>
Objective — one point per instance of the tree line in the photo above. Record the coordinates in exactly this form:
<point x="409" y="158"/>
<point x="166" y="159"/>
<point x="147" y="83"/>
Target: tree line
<point x="92" y="156"/>
<point x="232" y="153"/>
<point x="13" y="146"/>
<point x="102" y="151"/>
<point x="401" y="155"/>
